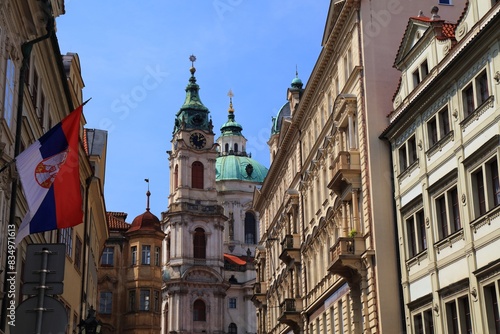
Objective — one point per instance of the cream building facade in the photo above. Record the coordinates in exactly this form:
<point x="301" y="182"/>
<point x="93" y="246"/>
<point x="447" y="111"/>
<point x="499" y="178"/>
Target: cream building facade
<point x="38" y="88"/>
<point x="327" y="259"/>
<point x="445" y="140"/>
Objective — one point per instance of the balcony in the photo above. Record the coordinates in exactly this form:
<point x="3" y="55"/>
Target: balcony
<point x="346" y="170"/>
<point x="345" y="256"/>
<point x="259" y="293"/>
<point x="290" y="312"/>
<point x="290" y="248"/>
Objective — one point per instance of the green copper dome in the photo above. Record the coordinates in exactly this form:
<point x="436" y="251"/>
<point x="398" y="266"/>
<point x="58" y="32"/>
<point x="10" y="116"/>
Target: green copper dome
<point x="241" y="168"/>
<point x="193" y="114"/>
<point x="297" y="83"/>
<point x="284" y="112"/>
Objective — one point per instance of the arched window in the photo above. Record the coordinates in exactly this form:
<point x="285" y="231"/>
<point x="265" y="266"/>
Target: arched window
<point x="199" y="311"/>
<point x="176" y="177"/>
<point x="199" y="244"/>
<point x="226" y="148"/>
<point x="250" y="228"/>
<point x="197" y="175"/>
<point x="232" y="328"/>
<point x="235" y="147"/>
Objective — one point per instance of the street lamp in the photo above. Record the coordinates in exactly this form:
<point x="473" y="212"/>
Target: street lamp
<point x="90" y="325"/>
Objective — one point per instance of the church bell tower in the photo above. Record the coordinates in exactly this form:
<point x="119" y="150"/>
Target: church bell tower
<point x="194" y="287"/>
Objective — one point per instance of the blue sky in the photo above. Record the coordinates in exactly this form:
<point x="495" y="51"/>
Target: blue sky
<point x="135" y="66"/>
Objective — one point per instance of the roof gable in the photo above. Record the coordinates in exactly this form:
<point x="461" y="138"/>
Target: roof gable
<point x="416" y="28"/>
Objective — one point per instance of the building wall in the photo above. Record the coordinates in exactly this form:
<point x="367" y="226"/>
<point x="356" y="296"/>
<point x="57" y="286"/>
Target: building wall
<point x="46" y="100"/>
<point x="446" y="239"/>
<point x="328" y="256"/>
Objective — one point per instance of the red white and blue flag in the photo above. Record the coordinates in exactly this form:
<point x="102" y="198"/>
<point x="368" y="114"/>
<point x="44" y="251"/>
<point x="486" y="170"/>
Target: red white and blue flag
<point x="49" y="170"/>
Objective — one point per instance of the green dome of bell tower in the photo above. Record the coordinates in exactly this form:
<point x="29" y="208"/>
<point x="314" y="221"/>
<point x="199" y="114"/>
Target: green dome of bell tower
<point x="193" y="114"/>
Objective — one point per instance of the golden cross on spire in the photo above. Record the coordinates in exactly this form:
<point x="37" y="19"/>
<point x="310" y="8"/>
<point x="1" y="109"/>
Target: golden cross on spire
<point x="230" y="94"/>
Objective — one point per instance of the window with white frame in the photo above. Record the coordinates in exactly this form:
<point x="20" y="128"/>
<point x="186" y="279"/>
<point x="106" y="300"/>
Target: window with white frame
<point x="232" y="302"/>
<point x="146" y="255"/>
<point x="420" y="73"/>
<point x="485" y="187"/>
<point x="444" y="2"/>
<point x="105" y="302"/>
<point x="107" y="258"/>
<point x="66" y="237"/>
<point x="145" y="299"/>
<point x="438" y="126"/>
<point x="415" y="233"/>
<point x="133" y="255"/>
<point x="407" y="153"/>
<point x="423" y="322"/>
<point x="475" y="93"/>
<point x="491" y="293"/>
<point x="458" y="316"/>
<point x="448" y="212"/>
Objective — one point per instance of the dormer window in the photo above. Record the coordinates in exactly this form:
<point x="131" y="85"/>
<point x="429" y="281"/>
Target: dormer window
<point x="420" y="73"/>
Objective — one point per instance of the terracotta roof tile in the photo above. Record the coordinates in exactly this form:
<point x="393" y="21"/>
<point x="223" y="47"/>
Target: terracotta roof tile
<point x="115" y="223"/>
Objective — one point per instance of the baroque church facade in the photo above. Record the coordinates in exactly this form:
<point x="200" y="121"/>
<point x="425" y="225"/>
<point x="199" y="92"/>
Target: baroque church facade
<point x="211" y="230"/>
<point x="193" y="269"/>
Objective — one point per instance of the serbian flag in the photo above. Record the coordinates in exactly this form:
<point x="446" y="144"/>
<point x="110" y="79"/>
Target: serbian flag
<point x="50" y="175"/>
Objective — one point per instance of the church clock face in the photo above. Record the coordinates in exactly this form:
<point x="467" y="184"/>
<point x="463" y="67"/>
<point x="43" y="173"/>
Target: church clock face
<point x="197" y="140"/>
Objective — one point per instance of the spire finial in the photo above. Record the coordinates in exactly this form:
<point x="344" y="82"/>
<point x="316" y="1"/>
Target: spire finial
<point x="147" y="195"/>
<point x="192" y="59"/>
<point x="230" y="94"/>
<point x="296" y="71"/>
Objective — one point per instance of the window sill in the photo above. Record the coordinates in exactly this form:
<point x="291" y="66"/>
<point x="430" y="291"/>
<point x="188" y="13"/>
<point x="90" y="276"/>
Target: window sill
<point x="407" y="172"/>
<point x="449" y="240"/>
<point x="438" y="146"/>
<point x="474" y="116"/>
<point x="415" y="260"/>
<point x="485" y="219"/>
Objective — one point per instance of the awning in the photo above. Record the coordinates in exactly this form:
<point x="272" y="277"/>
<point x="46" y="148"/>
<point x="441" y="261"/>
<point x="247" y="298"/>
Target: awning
<point x="234" y="259"/>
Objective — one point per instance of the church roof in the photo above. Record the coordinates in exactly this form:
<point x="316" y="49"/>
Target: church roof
<point x="231" y="127"/>
<point x="239" y="167"/>
<point x="193" y="114"/>
<point x="284" y="112"/>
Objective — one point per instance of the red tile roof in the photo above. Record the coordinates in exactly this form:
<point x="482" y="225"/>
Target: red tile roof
<point x="116" y="221"/>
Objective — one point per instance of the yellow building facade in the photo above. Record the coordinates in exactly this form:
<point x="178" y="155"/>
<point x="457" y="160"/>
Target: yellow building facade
<point x="38" y="88"/>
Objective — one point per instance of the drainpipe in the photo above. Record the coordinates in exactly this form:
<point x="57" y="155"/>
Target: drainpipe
<point x="26" y="52"/>
<point x="86" y="243"/>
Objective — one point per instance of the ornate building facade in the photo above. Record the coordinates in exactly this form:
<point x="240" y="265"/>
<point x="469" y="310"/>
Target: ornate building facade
<point x="38" y="88"/>
<point x="130" y="275"/>
<point x="211" y="229"/>
<point x="445" y="140"/>
<point x="327" y="259"/>
<point x="237" y="175"/>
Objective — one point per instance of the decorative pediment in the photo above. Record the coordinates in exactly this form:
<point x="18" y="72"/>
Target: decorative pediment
<point x="202" y="276"/>
<point x="415" y="30"/>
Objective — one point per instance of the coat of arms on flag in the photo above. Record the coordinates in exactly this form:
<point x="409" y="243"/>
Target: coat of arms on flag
<point x="49" y="171"/>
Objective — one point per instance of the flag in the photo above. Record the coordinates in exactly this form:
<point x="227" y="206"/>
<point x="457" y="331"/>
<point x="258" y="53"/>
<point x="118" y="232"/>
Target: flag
<point x="50" y="176"/>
